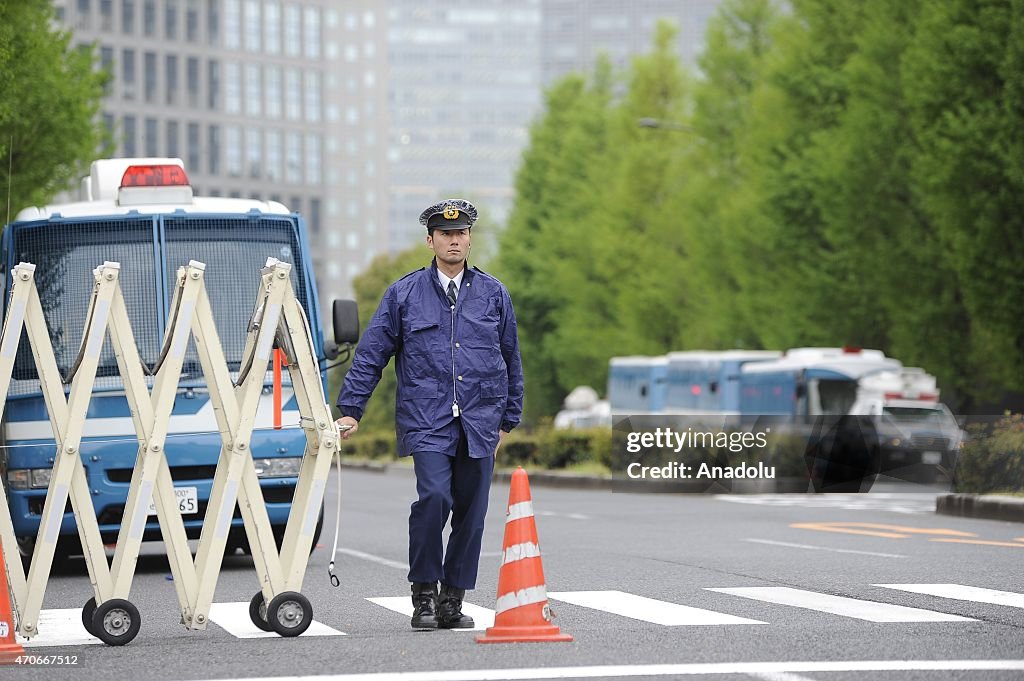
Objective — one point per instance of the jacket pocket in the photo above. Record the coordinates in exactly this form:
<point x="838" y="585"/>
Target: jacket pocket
<point x="493" y="391"/>
<point x="421" y="389"/>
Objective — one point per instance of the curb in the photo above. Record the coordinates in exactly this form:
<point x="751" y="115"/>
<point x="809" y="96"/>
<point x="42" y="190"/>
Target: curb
<point x="989" y="506"/>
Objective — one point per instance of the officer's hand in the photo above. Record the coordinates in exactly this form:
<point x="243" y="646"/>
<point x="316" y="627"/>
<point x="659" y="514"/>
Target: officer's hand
<point x="347" y="426"/>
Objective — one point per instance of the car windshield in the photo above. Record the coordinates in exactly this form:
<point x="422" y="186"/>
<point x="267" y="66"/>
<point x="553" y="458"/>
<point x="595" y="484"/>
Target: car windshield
<point x="927" y="415"/>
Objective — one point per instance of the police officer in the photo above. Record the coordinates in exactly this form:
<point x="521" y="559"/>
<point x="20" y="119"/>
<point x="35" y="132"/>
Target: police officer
<point x="452" y="331"/>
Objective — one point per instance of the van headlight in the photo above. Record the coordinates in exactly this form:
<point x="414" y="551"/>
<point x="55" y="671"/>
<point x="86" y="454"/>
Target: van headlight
<point x="29" y="478"/>
<point x="286" y="467"/>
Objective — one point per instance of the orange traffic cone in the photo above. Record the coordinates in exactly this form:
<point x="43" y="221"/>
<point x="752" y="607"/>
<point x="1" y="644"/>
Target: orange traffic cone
<point x="522" y="614"/>
<point x="9" y="646"/>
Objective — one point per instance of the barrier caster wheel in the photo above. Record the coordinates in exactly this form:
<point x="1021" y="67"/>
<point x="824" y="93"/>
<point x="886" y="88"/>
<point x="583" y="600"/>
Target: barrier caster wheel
<point x="88" y="610"/>
<point x="258" y="612"/>
<point x="116" y="622"/>
<point x="289" y="613"/>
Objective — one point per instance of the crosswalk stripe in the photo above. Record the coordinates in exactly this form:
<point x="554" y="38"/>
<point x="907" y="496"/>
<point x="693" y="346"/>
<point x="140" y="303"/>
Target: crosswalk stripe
<point x="840" y="605"/>
<point x="647" y="609"/>
<point x="234" y="618"/>
<point x="482" y="617"/>
<point x="960" y="592"/>
<point x="59" y="627"/>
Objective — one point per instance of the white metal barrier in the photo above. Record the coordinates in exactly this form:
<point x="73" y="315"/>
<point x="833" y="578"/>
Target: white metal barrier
<point x="109" y="615"/>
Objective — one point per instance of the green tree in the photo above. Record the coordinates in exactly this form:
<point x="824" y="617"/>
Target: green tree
<point x="712" y="176"/>
<point x="964" y="79"/>
<point x="546" y="241"/>
<point x="50" y="97"/>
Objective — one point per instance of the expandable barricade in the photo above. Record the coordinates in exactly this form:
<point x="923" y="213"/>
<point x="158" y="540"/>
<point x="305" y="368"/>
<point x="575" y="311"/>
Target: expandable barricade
<point x="277" y="316"/>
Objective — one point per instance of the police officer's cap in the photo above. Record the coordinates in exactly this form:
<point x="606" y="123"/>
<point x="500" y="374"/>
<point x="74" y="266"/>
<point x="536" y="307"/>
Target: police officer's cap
<point x="449" y="214"/>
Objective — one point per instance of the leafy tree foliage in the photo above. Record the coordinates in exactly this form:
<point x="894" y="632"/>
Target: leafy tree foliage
<point x="835" y="173"/>
<point x="50" y="96"/>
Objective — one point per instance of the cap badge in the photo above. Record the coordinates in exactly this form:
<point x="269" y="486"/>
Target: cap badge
<point x="451" y="212"/>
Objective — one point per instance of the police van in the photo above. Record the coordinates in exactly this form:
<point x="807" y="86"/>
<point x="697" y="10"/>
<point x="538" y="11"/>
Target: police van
<point x="142" y="214"/>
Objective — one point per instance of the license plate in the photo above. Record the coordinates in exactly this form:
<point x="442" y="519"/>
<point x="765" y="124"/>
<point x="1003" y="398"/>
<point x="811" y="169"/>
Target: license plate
<point x="188" y="501"/>
<point x="931" y="458"/>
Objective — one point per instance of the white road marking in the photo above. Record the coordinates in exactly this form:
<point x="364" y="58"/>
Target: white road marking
<point x="840" y="605"/>
<point x="647" y="609"/>
<point x="823" y="548"/>
<point x="482" y="617"/>
<point x="963" y="593"/>
<point x="375" y="559"/>
<point x="234" y="618"/>
<point x="556" y="514"/>
<point x="780" y="676"/>
<point x="895" y="502"/>
<point x="620" y="671"/>
<point x="59" y="627"/>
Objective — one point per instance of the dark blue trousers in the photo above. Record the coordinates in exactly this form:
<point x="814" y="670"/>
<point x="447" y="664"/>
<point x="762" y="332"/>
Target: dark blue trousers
<point x="456" y="486"/>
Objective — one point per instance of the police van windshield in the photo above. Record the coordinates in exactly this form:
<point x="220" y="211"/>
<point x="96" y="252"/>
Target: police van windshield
<point x="66" y="252"/>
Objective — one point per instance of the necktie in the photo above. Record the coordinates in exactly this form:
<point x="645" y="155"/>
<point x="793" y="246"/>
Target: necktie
<point x="452" y="293"/>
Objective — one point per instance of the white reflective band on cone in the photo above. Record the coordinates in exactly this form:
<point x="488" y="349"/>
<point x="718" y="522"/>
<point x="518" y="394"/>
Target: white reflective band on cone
<point x="535" y="594"/>
<point x="523" y="509"/>
<point x="519" y="552"/>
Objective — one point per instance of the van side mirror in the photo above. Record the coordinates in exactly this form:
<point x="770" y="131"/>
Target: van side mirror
<point x="346" y="322"/>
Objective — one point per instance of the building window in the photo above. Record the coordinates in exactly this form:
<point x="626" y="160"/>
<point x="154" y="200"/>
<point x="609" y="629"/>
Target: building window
<point x="293" y="158"/>
<point x="171" y="19"/>
<point x="213" y="149"/>
<point x="173" y="150"/>
<point x="313" y="145"/>
<point x="128" y="72"/>
<point x="233" y="148"/>
<point x="109" y="122"/>
<point x="253" y="26"/>
<point x="292" y="95"/>
<point x="192" y="67"/>
<point x="171" y="76"/>
<point x="194" y="146"/>
<point x="192" y="21"/>
<point x="212" y="21"/>
<point x="128" y="130"/>
<point x="213" y="84"/>
<point x="273" y="82"/>
<point x="315" y="216"/>
<point x="292" y="29"/>
<point x="149" y="17"/>
<point x="272" y="22"/>
<point x="312" y="26"/>
<point x="253" y="91"/>
<point x="232" y="88"/>
<point x="128" y="16"/>
<point x="150" y="65"/>
<point x="232" y="24"/>
<point x="151" y="138"/>
<point x="313" y="96"/>
<point x="106" y="14"/>
<point x="254" y="152"/>
<point x="273" y="166"/>
<point x="107" y="64"/>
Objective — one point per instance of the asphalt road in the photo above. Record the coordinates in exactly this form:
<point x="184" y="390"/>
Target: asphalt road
<point x="783" y="587"/>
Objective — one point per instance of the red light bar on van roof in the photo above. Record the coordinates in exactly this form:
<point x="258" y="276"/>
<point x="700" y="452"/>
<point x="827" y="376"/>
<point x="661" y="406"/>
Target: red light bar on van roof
<point x="154" y="176"/>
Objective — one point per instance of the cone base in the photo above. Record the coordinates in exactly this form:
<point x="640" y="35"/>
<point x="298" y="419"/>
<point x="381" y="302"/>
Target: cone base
<point x="537" y="634"/>
<point x="9" y="652"/>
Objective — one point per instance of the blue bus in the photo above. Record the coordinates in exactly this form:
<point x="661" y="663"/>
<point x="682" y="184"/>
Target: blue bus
<point x="636" y="385"/>
<point x="151" y="232"/>
<point x="702" y="382"/>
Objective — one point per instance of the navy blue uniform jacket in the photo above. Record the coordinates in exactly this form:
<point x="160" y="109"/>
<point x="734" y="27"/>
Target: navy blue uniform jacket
<point x="476" y="362"/>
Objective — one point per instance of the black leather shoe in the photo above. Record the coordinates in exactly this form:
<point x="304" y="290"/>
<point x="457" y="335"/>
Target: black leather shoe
<point x="449" y="609"/>
<point x="424" y="605"/>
